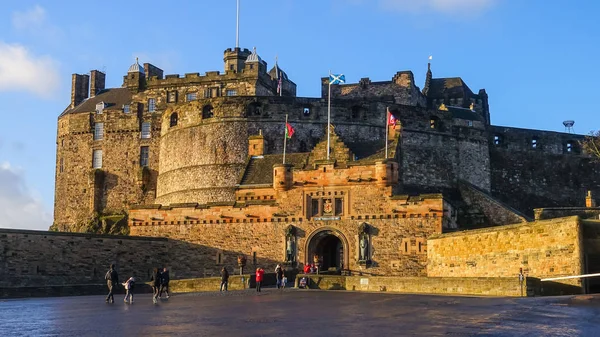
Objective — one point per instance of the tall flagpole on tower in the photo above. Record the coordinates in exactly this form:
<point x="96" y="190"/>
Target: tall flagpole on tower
<point x="237" y="25"/>
<point x="328" y="114"/>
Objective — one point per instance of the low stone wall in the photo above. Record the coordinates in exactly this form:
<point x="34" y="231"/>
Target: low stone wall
<point x="485" y="286"/>
<point x="546" y="248"/>
<point x="53" y="259"/>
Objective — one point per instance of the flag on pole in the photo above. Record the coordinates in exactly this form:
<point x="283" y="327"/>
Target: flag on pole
<point x="289" y="131"/>
<point x="337" y="79"/>
<point x="279" y="84"/>
<point x="391" y="119"/>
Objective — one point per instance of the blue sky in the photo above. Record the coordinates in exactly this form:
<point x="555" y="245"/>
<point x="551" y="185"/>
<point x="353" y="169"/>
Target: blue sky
<point x="536" y="59"/>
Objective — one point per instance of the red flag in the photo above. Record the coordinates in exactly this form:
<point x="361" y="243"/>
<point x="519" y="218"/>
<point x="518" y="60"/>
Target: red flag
<point x="289" y="131"/>
<point x="391" y="118"/>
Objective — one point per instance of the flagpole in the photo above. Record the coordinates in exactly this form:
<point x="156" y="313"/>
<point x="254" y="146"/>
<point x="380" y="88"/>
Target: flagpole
<point x="387" y="116"/>
<point x="285" y="137"/>
<point x="328" y="114"/>
<point x="237" y="25"/>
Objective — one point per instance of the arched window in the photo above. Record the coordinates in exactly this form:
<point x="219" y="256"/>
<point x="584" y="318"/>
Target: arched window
<point x="207" y="111"/>
<point x="254" y="109"/>
<point x="173" y="120"/>
<point x="357" y="112"/>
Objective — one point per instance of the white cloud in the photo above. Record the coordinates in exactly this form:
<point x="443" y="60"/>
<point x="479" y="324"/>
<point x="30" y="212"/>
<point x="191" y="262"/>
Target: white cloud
<point x="31" y="19"/>
<point x="19" y="206"/>
<point x="35" y="23"/>
<point x="22" y="71"/>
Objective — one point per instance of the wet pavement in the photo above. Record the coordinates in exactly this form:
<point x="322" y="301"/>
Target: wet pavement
<point x="301" y="313"/>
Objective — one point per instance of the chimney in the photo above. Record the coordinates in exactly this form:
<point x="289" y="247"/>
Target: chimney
<point x="589" y="200"/>
<point x="256" y="145"/>
<point x="98" y="80"/>
<point x="79" y="89"/>
<point x="152" y="71"/>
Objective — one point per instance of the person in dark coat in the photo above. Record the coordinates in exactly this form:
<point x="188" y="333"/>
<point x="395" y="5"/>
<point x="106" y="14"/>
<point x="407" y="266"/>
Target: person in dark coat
<point x="155" y="282"/>
<point x="279" y="276"/>
<point x="164" y="282"/>
<point x="224" y="279"/>
<point x="112" y="279"/>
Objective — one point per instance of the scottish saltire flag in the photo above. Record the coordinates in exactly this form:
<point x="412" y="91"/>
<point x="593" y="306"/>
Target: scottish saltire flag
<point x="337" y="79"/>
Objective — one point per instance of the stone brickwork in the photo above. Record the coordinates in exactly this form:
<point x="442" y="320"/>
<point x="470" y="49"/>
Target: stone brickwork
<point x="255" y="225"/>
<point x="482" y="286"/>
<point x="37" y="258"/>
<point x="542" y="248"/>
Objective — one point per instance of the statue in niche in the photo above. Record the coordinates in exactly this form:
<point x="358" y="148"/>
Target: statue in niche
<point x="289" y="249"/>
<point x="363" y="248"/>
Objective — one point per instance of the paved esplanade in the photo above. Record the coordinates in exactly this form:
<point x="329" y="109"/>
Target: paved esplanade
<point x="300" y="313"/>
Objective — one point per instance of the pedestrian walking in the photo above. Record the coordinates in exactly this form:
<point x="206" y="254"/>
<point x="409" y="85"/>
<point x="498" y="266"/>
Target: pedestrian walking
<point x="279" y="276"/>
<point x="128" y="285"/>
<point x="164" y="282"/>
<point x="224" y="279"/>
<point x="112" y="279"/>
<point x="155" y="282"/>
<point x="259" y="278"/>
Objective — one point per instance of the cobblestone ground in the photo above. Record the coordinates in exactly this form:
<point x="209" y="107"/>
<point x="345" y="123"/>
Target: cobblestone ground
<point x="301" y="313"/>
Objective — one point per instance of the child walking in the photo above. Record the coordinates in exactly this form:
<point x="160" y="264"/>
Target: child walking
<point x="129" y="289"/>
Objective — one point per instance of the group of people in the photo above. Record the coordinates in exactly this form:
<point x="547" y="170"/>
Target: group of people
<point x="310" y="268"/>
<point x="259" y="277"/>
<point x="160" y="283"/>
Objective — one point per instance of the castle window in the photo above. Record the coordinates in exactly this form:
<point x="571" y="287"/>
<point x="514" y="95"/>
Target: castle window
<point x="97" y="159"/>
<point x="151" y="104"/>
<point x="126" y="108"/>
<point x="498" y="140"/>
<point x="231" y="93"/>
<point x="254" y="109"/>
<point x="100" y="107"/>
<point x="207" y="93"/>
<point x="231" y="67"/>
<point x="172" y="97"/>
<point x="569" y="147"/>
<point x="207" y="112"/>
<point x="98" y="131"/>
<point x="306" y="112"/>
<point x="434" y="122"/>
<point x="339" y="206"/>
<point x="173" y="120"/>
<point x="356" y="112"/>
<point x="61" y="166"/>
<point x="315" y="207"/>
<point x="144" y="154"/>
<point x="534" y="143"/>
<point x="146" y="130"/>
<point x="470" y="123"/>
<point x="190" y="97"/>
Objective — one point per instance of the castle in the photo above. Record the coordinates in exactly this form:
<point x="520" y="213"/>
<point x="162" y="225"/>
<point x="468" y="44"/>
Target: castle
<point x="198" y="158"/>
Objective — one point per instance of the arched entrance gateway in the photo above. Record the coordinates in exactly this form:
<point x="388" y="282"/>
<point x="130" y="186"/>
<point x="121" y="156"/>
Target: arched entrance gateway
<point x="331" y="248"/>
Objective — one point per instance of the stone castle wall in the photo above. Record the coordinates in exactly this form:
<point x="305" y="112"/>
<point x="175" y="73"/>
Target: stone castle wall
<point x="80" y="191"/>
<point x="547" y="175"/>
<point x="37" y="258"/>
<point x="543" y="249"/>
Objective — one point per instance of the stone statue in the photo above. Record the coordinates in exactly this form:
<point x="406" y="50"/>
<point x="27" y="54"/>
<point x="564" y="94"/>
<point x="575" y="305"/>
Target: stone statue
<point x="363" y="248"/>
<point x="290" y="249"/>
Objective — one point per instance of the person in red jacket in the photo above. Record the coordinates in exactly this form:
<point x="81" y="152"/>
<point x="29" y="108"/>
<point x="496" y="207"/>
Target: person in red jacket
<point x="259" y="277"/>
<point x="306" y="268"/>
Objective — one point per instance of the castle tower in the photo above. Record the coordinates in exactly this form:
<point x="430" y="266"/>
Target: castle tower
<point x="235" y="59"/>
<point x="135" y="80"/>
<point x="283" y="177"/>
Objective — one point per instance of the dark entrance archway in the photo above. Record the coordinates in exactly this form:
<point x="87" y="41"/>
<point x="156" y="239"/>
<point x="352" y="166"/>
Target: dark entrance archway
<point x="331" y="248"/>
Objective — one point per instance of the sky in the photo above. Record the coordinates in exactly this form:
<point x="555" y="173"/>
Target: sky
<point x="536" y="59"/>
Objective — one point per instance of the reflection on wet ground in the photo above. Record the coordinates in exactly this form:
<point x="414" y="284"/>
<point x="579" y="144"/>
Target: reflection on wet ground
<point x="301" y="313"/>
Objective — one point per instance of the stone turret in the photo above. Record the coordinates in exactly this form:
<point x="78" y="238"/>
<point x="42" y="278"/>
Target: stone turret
<point x="283" y="177"/>
<point x="386" y="173"/>
<point x="235" y="59"/>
